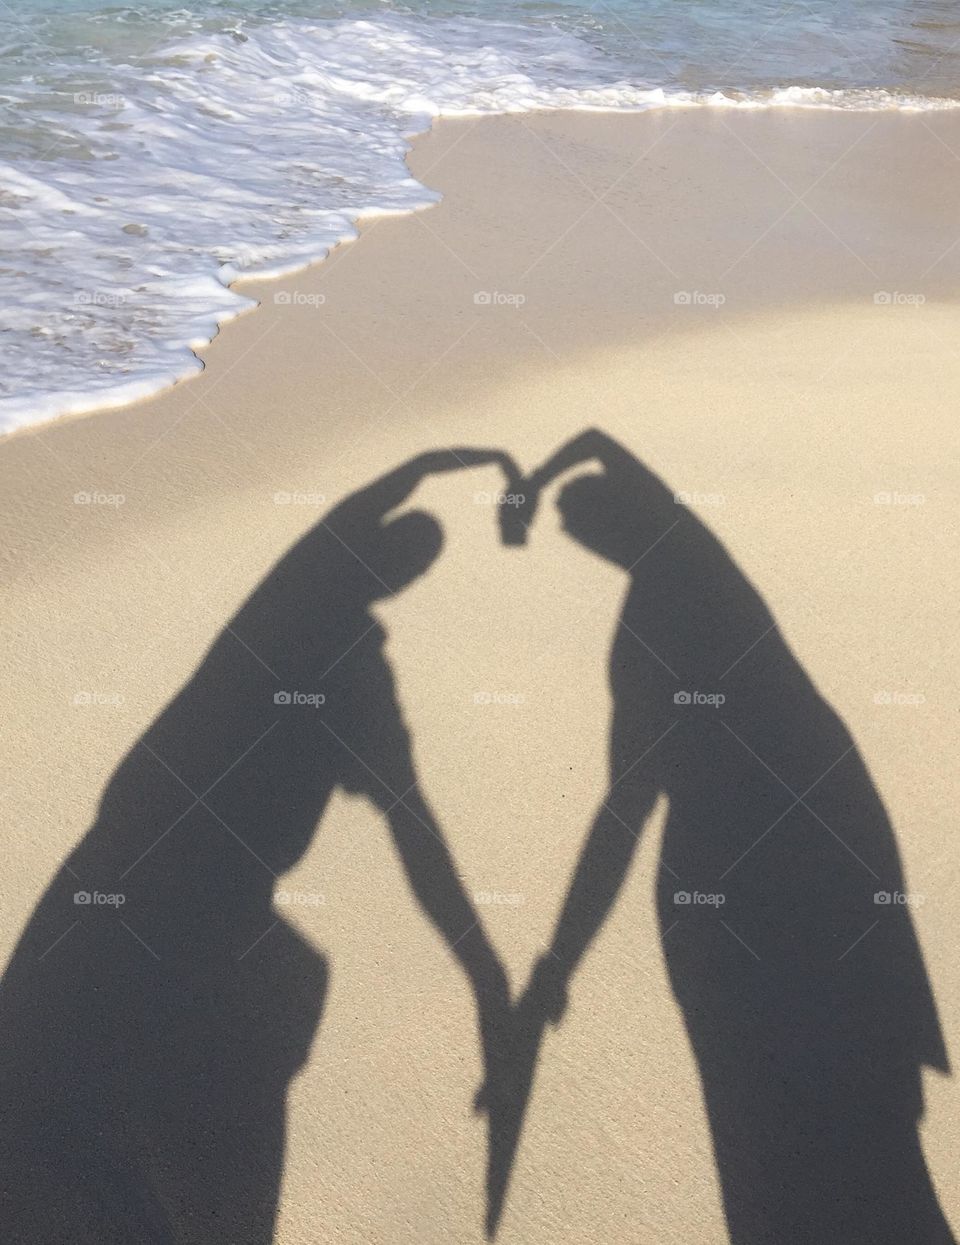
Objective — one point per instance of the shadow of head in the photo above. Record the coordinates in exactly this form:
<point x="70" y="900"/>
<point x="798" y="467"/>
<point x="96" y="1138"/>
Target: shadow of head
<point x="612" y="517"/>
<point x="400" y="551"/>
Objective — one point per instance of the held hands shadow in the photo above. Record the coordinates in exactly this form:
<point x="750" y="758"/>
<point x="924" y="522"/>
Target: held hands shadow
<point x="149" y="1035"/>
<point x="798" y="973"/>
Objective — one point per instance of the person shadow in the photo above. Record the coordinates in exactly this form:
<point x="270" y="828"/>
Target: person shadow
<point x="158" y="1003"/>
<point x="784" y="915"/>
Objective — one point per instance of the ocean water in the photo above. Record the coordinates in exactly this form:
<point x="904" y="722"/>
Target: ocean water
<point x="151" y="153"/>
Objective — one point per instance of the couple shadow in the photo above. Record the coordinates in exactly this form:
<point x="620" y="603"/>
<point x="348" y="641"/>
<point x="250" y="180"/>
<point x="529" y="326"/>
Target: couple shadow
<point x="148" y="1038"/>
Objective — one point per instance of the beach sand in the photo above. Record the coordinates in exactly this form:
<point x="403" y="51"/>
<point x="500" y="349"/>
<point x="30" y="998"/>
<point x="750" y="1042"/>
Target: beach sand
<point x="757" y="306"/>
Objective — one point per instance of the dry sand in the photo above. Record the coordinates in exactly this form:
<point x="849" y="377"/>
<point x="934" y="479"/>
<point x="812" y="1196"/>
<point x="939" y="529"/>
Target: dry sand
<point x="785" y="411"/>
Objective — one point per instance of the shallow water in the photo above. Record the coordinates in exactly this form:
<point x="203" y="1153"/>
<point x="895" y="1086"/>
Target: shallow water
<point x="150" y="154"/>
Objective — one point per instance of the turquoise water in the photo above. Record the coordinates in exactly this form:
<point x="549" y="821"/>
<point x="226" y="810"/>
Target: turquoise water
<point x="150" y="154"/>
<point x="697" y="44"/>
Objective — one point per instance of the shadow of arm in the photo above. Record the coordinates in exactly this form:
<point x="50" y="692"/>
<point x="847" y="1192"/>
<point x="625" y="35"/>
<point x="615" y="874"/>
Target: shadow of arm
<point x="434" y="880"/>
<point x="597" y="881"/>
<point x="590" y="444"/>
<point x="392" y="490"/>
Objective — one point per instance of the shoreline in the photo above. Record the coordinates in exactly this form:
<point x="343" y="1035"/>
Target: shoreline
<point x="257" y="285"/>
<point x="807" y="426"/>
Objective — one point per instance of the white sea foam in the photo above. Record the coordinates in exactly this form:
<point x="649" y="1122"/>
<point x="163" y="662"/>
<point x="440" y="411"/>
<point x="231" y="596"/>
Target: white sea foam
<point x="223" y="154"/>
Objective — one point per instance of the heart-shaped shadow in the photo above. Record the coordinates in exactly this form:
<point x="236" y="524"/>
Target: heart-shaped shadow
<point x="148" y="1054"/>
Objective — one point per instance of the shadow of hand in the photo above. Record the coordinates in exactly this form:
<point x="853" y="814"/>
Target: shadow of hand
<point x="546" y="995"/>
<point x="512" y="1038"/>
<point x="511" y="1033"/>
